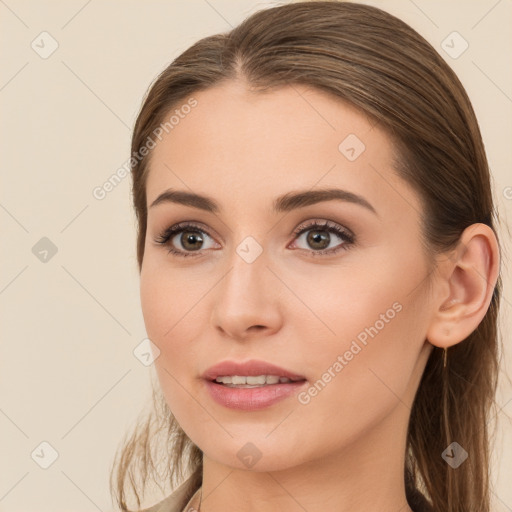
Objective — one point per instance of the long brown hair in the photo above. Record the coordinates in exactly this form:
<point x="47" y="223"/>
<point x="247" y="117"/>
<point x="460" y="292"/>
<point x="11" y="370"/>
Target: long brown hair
<point x="383" y="67"/>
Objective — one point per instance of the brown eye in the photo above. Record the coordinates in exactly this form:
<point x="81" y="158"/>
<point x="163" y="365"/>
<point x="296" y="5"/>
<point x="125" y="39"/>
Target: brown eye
<point x="319" y="237"/>
<point x="191" y="240"/>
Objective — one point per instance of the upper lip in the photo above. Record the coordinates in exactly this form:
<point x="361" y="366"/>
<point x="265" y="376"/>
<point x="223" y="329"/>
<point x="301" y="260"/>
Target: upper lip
<point x="251" y="368"/>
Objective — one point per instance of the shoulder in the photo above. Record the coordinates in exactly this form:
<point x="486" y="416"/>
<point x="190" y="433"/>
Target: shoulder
<point x="176" y="501"/>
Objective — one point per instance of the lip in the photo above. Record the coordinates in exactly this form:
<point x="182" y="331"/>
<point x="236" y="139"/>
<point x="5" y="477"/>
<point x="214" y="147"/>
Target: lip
<point x="251" y="399"/>
<point x="252" y="368"/>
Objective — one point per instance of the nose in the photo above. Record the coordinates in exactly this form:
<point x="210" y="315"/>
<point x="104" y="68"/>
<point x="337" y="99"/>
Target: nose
<point x="247" y="300"/>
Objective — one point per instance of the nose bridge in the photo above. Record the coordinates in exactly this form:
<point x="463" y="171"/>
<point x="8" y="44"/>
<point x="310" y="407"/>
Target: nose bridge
<point x="248" y="272"/>
<point x="246" y="296"/>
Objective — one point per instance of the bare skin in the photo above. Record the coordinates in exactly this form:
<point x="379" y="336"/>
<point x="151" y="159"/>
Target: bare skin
<point x="343" y="450"/>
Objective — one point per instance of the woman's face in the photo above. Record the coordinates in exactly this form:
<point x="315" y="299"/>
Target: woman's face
<point x="351" y="320"/>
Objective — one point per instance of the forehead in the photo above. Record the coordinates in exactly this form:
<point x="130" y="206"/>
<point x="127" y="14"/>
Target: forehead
<point x="291" y="118"/>
<point x="245" y="147"/>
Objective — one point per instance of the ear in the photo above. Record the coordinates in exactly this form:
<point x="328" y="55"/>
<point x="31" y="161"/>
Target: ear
<point x="466" y="285"/>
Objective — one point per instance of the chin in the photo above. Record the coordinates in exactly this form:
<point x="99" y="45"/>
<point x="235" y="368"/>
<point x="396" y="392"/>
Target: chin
<point x="256" y="456"/>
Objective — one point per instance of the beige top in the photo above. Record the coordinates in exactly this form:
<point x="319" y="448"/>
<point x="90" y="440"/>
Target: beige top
<point x="173" y="501"/>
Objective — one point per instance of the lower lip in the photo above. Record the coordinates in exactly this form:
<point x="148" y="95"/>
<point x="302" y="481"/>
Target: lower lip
<point x="252" y="399"/>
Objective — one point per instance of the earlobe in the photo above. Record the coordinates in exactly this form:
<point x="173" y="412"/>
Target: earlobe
<point x="470" y="276"/>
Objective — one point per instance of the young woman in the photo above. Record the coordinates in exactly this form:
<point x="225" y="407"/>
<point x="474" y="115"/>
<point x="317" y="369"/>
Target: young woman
<point x="319" y="272"/>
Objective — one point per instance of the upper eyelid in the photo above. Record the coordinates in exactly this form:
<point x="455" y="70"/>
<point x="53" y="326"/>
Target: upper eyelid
<point x="324" y="223"/>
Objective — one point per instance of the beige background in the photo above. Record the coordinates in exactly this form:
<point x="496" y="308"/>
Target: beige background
<point x="70" y="325"/>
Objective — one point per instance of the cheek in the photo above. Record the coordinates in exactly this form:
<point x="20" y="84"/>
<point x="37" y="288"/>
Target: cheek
<point x="363" y="376"/>
<point x="154" y="303"/>
<point x="334" y="304"/>
<point x="172" y="310"/>
<point x="166" y="297"/>
<point x="374" y="318"/>
<point x="171" y="326"/>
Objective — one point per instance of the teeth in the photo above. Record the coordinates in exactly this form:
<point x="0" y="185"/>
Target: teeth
<point x="251" y="381"/>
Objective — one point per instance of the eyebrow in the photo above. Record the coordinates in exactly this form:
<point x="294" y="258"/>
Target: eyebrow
<point x="285" y="203"/>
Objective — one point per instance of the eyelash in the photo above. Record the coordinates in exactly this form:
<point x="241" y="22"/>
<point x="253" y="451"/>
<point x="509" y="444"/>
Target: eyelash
<point x="348" y="238"/>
